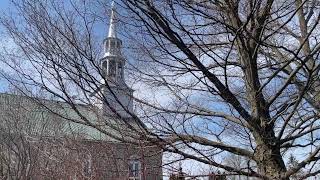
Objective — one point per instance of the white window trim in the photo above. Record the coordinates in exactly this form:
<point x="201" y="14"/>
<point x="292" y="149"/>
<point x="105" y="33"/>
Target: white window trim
<point x="132" y="163"/>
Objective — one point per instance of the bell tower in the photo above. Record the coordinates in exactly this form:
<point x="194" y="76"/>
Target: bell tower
<point x="117" y="94"/>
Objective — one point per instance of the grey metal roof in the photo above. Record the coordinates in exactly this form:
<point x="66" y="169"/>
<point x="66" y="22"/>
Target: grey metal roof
<point x="42" y="117"/>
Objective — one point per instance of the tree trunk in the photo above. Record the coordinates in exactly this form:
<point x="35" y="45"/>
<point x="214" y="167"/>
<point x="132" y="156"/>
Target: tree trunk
<point x="268" y="157"/>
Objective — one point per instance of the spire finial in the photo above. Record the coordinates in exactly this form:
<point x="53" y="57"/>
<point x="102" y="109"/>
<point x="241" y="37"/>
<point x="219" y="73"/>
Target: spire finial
<point x="112" y="26"/>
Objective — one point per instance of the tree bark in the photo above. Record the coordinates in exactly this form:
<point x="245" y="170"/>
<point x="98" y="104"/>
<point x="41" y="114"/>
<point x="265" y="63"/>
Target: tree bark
<point x="267" y="155"/>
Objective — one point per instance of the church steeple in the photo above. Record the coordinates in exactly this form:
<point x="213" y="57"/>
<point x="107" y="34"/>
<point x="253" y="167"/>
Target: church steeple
<point x="113" y="62"/>
<point x="118" y="94"/>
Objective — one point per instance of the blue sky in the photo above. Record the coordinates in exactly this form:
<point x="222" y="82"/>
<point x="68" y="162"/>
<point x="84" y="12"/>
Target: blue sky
<point x="4" y="5"/>
<point x="4" y="8"/>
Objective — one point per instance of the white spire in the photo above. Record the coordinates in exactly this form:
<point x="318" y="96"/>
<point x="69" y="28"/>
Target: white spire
<point x="112" y="27"/>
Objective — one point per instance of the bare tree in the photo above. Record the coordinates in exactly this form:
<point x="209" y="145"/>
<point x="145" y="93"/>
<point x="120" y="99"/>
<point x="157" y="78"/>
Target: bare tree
<point x="253" y="62"/>
<point x="24" y="126"/>
<point x="239" y="77"/>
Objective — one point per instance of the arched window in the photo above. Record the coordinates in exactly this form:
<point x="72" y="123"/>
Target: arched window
<point x="112" y="68"/>
<point x="134" y="170"/>
<point x="106" y="45"/>
<point x="87" y="165"/>
<point x="113" y="45"/>
<point x="120" y="69"/>
<point x="118" y="45"/>
<point x="104" y="67"/>
<point x="105" y="64"/>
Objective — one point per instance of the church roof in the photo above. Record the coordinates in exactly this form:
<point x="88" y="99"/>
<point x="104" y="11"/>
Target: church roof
<point x="41" y="117"/>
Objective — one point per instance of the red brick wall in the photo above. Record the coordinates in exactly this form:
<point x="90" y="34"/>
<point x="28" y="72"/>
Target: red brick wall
<point x="94" y="160"/>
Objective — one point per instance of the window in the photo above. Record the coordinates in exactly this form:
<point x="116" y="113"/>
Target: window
<point x="112" y="68"/>
<point x="87" y="163"/>
<point x="120" y="69"/>
<point x="134" y="170"/>
<point x="105" y="64"/>
<point x="112" y="44"/>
